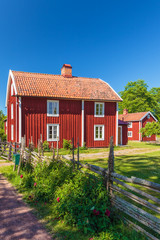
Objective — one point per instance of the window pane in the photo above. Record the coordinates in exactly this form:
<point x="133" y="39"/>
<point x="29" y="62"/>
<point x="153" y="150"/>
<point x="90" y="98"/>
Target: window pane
<point x="50" y="107"/>
<point x="97" y="109"/>
<point x="101" y="109"/>
<point x="55" y="132"/>
<point x="55" y="108"/>
<point x="96" y="132"/>
<point x="100" y="132"/>
<point x="50" y="132"/>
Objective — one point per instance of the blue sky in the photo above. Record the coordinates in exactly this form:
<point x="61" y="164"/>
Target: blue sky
<point x="118" y="41"/>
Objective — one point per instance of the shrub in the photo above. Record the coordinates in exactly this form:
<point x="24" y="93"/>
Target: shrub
<point x="83" y="147"/>
<point x="83" y="202"/>
<point x="67" y="144"/>
<point x="46" y="146"/>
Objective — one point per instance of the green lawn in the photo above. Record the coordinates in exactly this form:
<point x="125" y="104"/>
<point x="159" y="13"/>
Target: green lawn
<point x="131" y="145"/>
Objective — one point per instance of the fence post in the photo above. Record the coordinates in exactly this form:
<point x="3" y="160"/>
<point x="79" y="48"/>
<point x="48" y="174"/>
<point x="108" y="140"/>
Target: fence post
<point x="110" y="166"/>
<point x="52" y="149"/>
<point x="73" y="153"/>
<point x="21" y="155"/>
<point x="78" y="154"/>
<point x="57" y="146"/>
<point x="42" y="146"/>
<point x="10" y="152"/>
<point x="39" y="148"/>
<point x="15" y="147"/>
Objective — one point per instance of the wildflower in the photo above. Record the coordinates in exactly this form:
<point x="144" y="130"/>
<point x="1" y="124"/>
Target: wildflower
<point x="107" y="213"/>
<point x="91" y="238"/>
<point x="58" y="199"/>
<point x="35" y="184"/>
<point x="95" y="212"/>
<point x="21" y="176"/>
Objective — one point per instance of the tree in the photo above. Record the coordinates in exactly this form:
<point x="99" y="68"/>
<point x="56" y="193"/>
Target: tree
<point x="155" y="92"/>
<point x="150" y="129"/>
<point x="2" y="132"/>
<point x="137" y="98"/>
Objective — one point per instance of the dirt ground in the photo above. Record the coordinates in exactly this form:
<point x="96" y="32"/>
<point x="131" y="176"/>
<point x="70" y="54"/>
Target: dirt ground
<point x="17" y="222"/>
<point x="134" y="151"/>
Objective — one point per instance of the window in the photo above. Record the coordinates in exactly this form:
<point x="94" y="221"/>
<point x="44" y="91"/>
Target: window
<point x="98" y="132"/>
<point x="12" y="132"/>
<point x="129" y="133"/>
<point x="12" y="111"/>
<point x="99" y="109"/>
<point x="148" y="116"/>
<point x="12" y="89"/>
<point x="129" y="124"/>
<point x="53" y="108"/>
<point x="52" y="132"/>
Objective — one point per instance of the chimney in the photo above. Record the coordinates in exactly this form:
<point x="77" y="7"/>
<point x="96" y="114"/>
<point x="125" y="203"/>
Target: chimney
<point x="66" y="70"/>
<point x="125" y="111"/>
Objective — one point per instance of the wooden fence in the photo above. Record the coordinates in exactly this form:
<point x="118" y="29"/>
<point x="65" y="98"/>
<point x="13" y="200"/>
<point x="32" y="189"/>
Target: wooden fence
<point x="138" y="208"/>
<point x="7" y="149"/>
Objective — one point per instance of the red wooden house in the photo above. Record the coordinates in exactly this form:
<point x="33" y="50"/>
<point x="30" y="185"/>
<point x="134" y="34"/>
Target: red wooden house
<point x="5" y="126"/>
<point x="62" y="106"/>
<point x="136" y="121"/>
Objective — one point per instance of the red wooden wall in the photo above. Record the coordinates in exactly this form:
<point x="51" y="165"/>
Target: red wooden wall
<point x="135" y="131"/>
<point x="35" y="120"/>
<point x="144" y="121"/>
<point x="109" y="122"/>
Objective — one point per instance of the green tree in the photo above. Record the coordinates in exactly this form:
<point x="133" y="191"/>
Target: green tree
<point x="155" y="92"/>
<point x="2" y="132"/>
<point x="150" y="129"/>
<point x="137" y="98"/>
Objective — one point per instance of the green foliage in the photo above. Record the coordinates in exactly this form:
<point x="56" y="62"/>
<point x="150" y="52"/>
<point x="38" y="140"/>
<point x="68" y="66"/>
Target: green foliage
<point x="2" y="133"/>
<point x="137" y="98"/>
<point x="84" y="147"/>
<point x="78" y="199"/>
<point x="150" y="129"/>
<point x="67" y="144"/>
<point x="46" y="146"/>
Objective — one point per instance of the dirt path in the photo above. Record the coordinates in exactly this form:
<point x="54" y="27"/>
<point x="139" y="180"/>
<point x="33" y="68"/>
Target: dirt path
<point x="16" y="219"/>
<point x="134" y="151"/>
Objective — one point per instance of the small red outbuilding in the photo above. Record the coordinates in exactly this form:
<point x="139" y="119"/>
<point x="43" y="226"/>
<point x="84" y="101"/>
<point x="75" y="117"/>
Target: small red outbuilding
<point x="122" y="132"/>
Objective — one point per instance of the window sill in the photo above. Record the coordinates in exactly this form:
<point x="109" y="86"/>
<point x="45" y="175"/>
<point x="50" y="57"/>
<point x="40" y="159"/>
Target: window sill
<point x="99" y="139"/>
<point x="52" y="115"/>
<point x="52" y="140"/>
<point x="98" y="115"/>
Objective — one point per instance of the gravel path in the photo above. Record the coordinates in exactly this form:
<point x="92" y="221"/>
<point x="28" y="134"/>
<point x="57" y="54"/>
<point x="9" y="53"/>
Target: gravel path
<point x="16" y="219"/>
<point x="134" y="151"/>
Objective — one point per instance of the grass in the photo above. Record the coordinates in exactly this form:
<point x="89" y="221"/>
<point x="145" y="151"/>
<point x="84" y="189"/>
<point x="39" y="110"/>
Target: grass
<point x="131" y="145"/>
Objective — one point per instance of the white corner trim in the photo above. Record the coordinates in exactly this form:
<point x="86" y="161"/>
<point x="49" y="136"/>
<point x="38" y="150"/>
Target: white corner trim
<point x="117" y="124"/>
<point x="82" y="123"/>
<point x="111" y="88"/>
<point x="10" y="76"/>
<point x="121" y="134"/>
<point x="150" y="114"/>
<point x="20" y="120"/>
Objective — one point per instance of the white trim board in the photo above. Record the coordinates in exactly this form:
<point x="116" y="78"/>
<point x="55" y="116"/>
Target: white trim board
<point x="147" y="114"/>
<point x="82" y="123"/>
<point x="10" y="76"/>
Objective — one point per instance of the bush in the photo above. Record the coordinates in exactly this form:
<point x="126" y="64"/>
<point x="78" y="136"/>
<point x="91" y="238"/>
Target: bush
<point x="83" y="147"/>
<point x="67" y="144"/>
<point x="83" y="202"/>
<point x="46" y="146"/>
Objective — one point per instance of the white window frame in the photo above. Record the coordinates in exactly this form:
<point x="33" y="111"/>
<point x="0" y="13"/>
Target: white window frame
<point x="99" y="108"/>
<point x="52" y="115"/>
<point x="98" y="139"/>
<point x="129" y="124"/>
<point x="12" y="111"/>
<point x="53" y="139"/>
<point x="12" y="89"/>
<point x="12" y="132"/>
<point x="129" y="132"/>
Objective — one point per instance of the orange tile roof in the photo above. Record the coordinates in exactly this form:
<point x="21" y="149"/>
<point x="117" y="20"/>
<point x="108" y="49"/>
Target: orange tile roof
<point x="57" y="86"/>
<point x="129" y="117"/>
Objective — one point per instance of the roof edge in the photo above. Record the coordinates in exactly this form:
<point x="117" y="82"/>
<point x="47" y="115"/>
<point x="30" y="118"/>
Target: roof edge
<point x="150" y="114"/>
<point x="112" y="89"/>
<point x="10" y="76"/>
